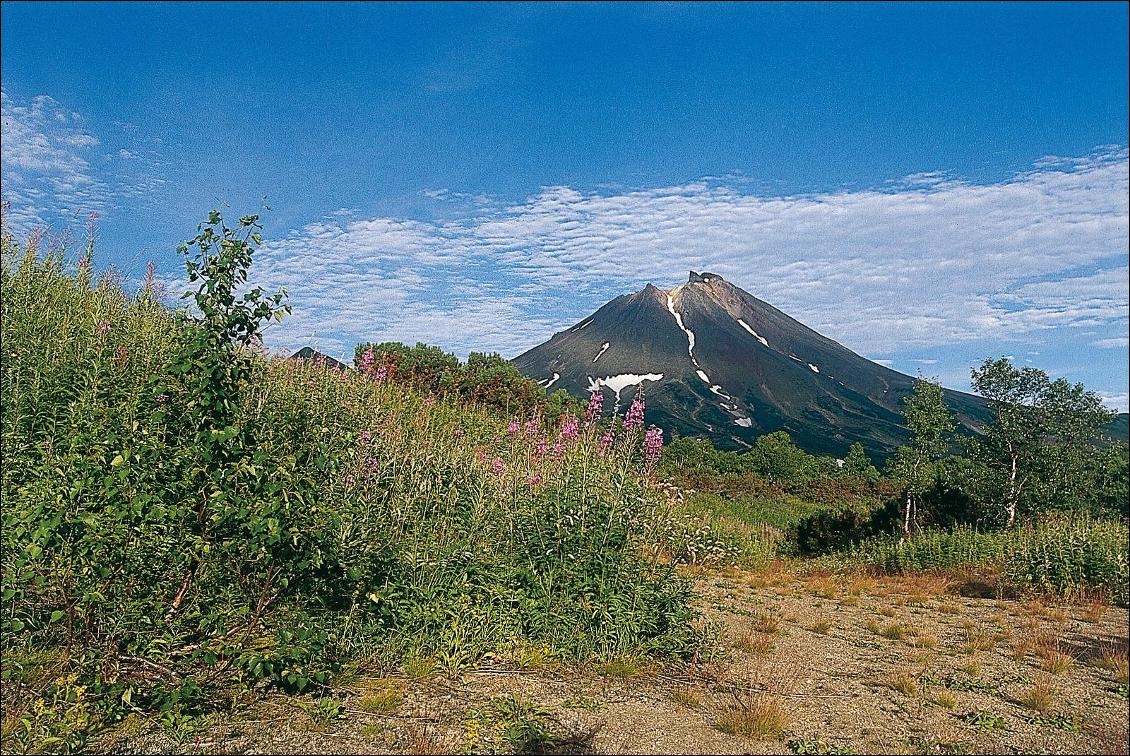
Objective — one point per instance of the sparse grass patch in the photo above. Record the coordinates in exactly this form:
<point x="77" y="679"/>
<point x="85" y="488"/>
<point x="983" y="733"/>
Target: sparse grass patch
<point x="925" y="640"/>
<point x="971" y="668"/>
<point x="821" y="625"/>
<point x="887" y="611"/>
<point x="766" y="622"/>
<point x="1056" y="663"/>
<point x="904" y="682"/>
<point x="945" y="699"/>
<point x="893" y="631"/>
<point x="689" y="697"/>
<point x="381" y="701"/>
<point x="1040" y="697"/>
<point x="625" y="667"/>
<point x="754" y="715"/>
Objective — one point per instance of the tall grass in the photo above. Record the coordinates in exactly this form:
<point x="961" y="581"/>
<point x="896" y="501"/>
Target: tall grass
<point x="332" y="518"/>
<point x="1066" y="556"/>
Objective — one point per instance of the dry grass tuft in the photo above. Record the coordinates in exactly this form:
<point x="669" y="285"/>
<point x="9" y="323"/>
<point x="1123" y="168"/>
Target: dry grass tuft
<point x="945" y="699"/>
<point x="1040" y="697"/>
<point x="689" y="697"/>
<point x="754" y="715"/>
<point x="821" y="625"/>
<point x="904" y="682"/>
<point x="766" y="622"/>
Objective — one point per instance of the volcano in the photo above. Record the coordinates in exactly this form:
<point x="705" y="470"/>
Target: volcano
<point x="716" y="362"/>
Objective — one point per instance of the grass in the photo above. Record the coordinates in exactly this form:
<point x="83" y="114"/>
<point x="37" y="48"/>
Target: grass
<point x="759" y="716"/>
<point x="904" y="682"/>
<point x="945" y="699"/>
<point x="766" y="622"/>
<point x="688" y="697"/>
<point x="821" y="625"/>
<point x="1073" y="557"/>
<point x="381" y="701"/>
<point x="1039" y="697"/>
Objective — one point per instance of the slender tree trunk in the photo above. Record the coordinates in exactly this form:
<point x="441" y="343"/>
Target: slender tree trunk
<point x="1013" y="494"/>
<point x="907" y="514"/>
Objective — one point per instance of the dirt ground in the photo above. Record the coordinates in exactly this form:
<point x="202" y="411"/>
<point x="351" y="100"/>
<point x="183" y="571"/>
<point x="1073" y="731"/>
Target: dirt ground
<point x="807" y="665"/>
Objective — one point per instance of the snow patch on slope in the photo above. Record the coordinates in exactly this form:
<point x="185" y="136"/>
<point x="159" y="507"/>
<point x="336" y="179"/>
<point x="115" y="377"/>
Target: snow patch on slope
<point x="603" y="349"/>
<point x="553" y="380"/>
<point x="620" y="382"/>
<point x="814" y="368"/>
<point x="684" y="329"/>
<point x="703" y="376"/>
<point x="752" y="332"/>
<point x="745" y="422"/>
<point x="582" y="325"/>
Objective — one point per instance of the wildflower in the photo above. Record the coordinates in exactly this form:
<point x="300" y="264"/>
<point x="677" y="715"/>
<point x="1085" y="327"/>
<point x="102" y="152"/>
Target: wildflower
<point x="457" y="433"/>
<point x="162" y="398"/>
<point x="534" y="479"/>
<point x="367" y="361"/>
<point x="497" y="466"/>
<point x="103" y="327"/>
<point x="595" y="408"/>
<point x="514" y="427"/>
<point x="381" y="374"/>
<point x="634" y="418"/>
<point x="605" y="442"/>
<point x="541" y="448"/>
<point x="429" y="400"/>
<point x="532" y="426"/>
<point x="569" y="429"/>
<point x="558" y="451"/>
<point x="320" y="361"/>
<point x="349" y="481"/>
<point x="365" y="437"/>
<point x="652" y="445"/>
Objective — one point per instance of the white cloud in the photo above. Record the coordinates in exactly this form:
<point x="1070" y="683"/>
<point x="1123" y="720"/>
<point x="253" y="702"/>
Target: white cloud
<point x="54" y="169"/>
<point x="1118" y="402"/>
<point x="932" y="260"/>
<point x="1115" y="343"/>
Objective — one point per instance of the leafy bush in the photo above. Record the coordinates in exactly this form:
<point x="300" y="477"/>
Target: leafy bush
<point x="1064" y="556"/>
<point x="181" y="510"/>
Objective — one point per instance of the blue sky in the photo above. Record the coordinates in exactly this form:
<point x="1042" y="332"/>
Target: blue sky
<point x="928" y="184"/>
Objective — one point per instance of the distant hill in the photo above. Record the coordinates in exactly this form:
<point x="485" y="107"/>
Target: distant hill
<point x="313" y="355"/>
<point x="715" y="361"/>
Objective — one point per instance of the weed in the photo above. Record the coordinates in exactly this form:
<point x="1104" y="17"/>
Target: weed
<point x="1039" y="697"/>
<point x="821" y="625"/>
<point x="754" y="715"/>
<point x="904" y="682"/>
<point x="986" y="721"/>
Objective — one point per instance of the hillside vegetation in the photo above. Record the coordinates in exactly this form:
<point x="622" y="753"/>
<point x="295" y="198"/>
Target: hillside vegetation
<point x="183" y="514"/>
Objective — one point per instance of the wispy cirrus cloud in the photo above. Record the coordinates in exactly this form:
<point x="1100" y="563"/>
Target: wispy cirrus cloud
<point x="925" y="261"/>
<point x="54" y="169"/>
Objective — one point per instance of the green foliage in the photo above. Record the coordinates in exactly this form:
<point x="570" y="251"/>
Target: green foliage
<point x="858" y="465"/>
<point x="915" y="465"/>
<point x="1042" y="434"/>
<point x="1063" y="556"/>
<point x="486" y="379"/>
<point x="191" y="513"/>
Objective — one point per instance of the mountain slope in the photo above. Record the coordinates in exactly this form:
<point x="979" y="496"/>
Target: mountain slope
<point x="715" y="361"/>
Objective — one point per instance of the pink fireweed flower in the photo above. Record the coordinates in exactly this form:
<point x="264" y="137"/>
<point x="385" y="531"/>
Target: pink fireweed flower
<point x="498" y="467"/>
<point x="652" y="445"/>
<point x="103" y="327"/>
<point x="365" y="437"/>
<point x="557" y="451"/>
<point x="381" y="374"/>
<point x="368" y="359"/>
<point x="604" y="444"/>
<point x="457" y="433"/>
<point x="514" y="427"/>
<point x="162" y="398"/>
<point x="634" y="419"/>
<point x="534" y="479"/>
<point x="595" y="408"/>
<point x="541" y="448"/>
<point x="429" y="400"/>
<point x="349" y="481"/>
<point x="570" y="429"/>
<point x="320" y="361"/>
<point x="532" y="426"/>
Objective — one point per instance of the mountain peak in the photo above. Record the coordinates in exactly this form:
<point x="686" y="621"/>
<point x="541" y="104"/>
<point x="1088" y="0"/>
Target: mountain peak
<point x="703" y="277"/>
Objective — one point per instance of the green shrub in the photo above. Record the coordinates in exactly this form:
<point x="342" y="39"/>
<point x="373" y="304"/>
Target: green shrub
<point x="178" y="508"/>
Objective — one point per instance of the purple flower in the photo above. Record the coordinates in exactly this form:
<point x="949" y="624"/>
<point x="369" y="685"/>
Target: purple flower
<point x="162" y="398"/>
<point x="497" y="466"/>
<point x="532" y="426"/>
<point x="429" y="400"/>
<point x="365" y="437"/>
<point x="634" y="418"/>
<point x="533" y="480"/>
<point x="381" y="374"/>
<point x="457" y="433"/>
<point x="514" y="427"/>
<point x="595" y="408"/>
<point x="605" y="442"/>
<point x="541" y="448"/>
<point x="349" y="481"/>
<point x="652" y="445"/>
<point x="367" y="360"/>
<point x="570" y="429"/>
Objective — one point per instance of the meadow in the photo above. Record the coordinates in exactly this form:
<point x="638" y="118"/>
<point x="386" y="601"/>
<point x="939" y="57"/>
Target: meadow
<point x="192" y="527"/>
